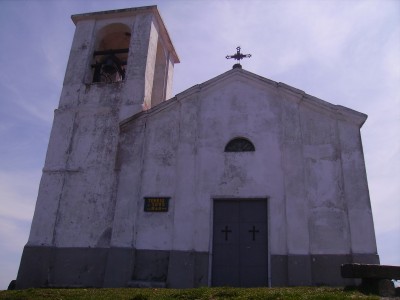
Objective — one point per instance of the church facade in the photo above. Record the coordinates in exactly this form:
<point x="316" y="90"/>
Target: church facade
<point x="238" y="181"/>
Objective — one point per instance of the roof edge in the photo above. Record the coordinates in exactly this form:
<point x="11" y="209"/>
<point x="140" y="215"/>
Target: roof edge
<point x="339" y="111"/>
<point x="358" y="117"/>
<point x="111" y="13"/>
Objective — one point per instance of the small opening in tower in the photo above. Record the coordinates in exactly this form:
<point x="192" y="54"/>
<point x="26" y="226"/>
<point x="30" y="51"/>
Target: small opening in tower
<point x="111" y="54"/>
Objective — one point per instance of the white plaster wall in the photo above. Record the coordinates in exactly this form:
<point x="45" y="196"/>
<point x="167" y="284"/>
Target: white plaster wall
<point x="296" y="206"/>
<point x="198" y="169"/>
<point x="150" y="64"/>
<point x="160" y="72"/>
<point x="79" y="56"/>
<point x="158" y="179"/>
<point x="76" y="201"/>
<point x="169" y="78"/>
<point x="129" y="172"/>
<point x="240" y="108"/>
<point x="328" y="224"/>
<point x="52" y="181"/>
<point x="297" y="165"/>
<point x="356" y="192"/>
<point x="86" y="207"/>
<point x="44" y="218"/>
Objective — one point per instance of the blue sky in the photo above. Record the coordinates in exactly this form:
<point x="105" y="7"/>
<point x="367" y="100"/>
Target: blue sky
<point x="344" y="52"/>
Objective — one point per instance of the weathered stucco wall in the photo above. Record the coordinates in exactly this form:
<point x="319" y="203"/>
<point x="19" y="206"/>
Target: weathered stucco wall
<point x="78" y="186"/>
<point x="308" y="163"/>
<point x="179" y="150"/>
<point x="76" y="201"/>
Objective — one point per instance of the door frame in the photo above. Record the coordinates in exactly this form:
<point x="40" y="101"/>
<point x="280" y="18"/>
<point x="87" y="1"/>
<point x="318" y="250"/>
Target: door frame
<point x="211" y="233"/>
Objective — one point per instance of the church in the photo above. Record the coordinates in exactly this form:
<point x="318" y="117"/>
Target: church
<point x="237" y="181"/>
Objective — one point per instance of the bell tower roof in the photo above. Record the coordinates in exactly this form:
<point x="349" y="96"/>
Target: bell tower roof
<point x="128" y="12"/>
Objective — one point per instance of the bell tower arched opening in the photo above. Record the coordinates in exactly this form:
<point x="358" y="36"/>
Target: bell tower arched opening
<point x="111" y="53"/>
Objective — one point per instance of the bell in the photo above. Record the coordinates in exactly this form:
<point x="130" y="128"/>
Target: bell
<point x="108" y="66"/>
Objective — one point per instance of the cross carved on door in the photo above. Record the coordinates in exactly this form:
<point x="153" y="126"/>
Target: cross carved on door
<point x="226" y="231"/>
<point x="254" y="231"/>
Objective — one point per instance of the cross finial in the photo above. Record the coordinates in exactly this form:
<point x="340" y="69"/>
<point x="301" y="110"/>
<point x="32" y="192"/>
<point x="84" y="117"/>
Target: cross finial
<point x="238" y="56"/>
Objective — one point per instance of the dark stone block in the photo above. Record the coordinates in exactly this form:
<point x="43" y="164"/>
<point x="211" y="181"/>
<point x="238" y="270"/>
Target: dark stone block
<point x="201" y="269"/>
<point x="386" y="288"/>
<point x="187" y="269"/>
<point x="370" y="271"/>
<point x="78" y="267"/>
<point x="12" y="285"/>
<point x="362" y="258"/>
<point x="279" y="270"/>
<point x="326" y="269"/>
<point x="61" y="267"/>
<point x="110" y="267"/>
<point x="381" y="287"/>
<point x="35" y="267"/>
<point x="151" y="265"/>
<point x="299" y="270"/>
<point x="119" y="268"/>
<point x="181" y="269"/>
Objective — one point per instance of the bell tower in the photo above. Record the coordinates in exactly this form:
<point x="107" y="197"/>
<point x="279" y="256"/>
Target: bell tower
<point x="121" y="63"/>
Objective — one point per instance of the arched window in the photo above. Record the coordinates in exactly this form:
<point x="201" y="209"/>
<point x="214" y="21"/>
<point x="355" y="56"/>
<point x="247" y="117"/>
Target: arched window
<point x="111" y="54"/>
<point x="239" y="145"/>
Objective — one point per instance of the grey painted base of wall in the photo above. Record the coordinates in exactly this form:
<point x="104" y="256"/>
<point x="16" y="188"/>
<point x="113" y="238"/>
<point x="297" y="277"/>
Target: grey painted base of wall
<point x="110" y="267"/>
<point x="317" y="270"/>
<point x="123" y="267"/>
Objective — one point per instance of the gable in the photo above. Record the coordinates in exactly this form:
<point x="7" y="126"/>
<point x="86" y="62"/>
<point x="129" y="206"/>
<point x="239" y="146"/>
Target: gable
<point x="255" y="92"/>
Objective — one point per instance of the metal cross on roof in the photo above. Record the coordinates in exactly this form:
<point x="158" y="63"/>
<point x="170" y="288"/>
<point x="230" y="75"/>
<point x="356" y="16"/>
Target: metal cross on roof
<point x="238" y="56"/>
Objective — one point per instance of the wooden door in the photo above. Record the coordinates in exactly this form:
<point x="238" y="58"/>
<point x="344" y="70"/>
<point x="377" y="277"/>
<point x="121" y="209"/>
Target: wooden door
<point x="240" y="243"/>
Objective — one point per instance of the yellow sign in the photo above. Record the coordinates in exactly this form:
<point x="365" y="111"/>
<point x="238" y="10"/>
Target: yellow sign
<point x="156" y="204"/>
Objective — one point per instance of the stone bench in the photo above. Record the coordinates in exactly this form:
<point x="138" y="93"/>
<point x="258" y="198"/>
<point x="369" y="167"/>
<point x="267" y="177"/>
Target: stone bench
<point x="375" y="278"/>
